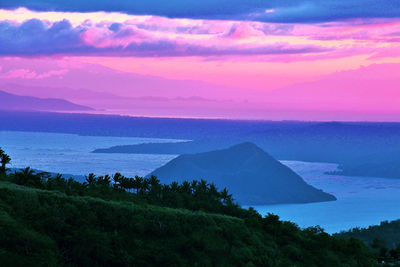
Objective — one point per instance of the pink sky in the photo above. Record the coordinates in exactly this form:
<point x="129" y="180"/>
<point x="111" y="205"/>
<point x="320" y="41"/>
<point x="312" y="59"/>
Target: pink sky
<point x="133" y="64"/>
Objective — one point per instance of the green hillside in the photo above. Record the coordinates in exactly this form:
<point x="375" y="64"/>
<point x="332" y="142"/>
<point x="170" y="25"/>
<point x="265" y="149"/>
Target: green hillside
<point x="383" y="239"/>
<point x="51" y="221"/>
<point x="45" y="228"/>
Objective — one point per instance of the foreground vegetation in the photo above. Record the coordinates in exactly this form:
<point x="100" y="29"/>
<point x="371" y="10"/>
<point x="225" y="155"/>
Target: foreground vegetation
<point x="383" y="239"/>
<point x="118" y="221"/>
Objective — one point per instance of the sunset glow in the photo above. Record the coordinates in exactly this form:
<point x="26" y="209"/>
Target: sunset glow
<point x="237" y="59"/>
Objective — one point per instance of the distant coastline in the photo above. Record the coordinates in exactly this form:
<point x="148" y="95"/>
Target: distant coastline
<point x="343" y="143"/>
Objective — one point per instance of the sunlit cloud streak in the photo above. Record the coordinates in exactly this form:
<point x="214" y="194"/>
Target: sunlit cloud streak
<point x="151" y="36"/>
<point x="86" y="56"/>
<point x="36" y="37"/>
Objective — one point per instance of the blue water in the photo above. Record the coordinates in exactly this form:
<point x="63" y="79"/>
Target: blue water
<point x="71" y="154"/>
<point x="361" y="201"/>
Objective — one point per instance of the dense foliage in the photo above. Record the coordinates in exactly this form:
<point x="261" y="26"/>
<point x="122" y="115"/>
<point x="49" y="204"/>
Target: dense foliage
<point x="384" y="239"/>
<point x="195" y="195"/>
<point x="47" y="221"/>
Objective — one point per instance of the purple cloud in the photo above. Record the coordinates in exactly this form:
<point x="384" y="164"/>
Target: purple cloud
<point x="35" y="37"/>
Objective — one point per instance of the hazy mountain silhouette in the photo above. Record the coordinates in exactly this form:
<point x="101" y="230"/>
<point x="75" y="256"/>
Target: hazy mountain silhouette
<point x="248" y="172"/>
<point x="383" y="163"/>
<point x="361" y="149"/>
<point x="16" y="102"/>
<point x="347" y="95"/>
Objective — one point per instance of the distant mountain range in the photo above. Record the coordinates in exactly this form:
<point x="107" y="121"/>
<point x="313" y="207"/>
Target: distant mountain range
<point x="361" y="148"/>
<point x="248" y="172"/>
<point x="348" y="95"/>
<point x="28" y="103"/>
<point x="383" y="163"/>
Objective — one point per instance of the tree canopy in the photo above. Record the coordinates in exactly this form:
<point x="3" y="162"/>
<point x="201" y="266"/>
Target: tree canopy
<point x="134" y="221"/>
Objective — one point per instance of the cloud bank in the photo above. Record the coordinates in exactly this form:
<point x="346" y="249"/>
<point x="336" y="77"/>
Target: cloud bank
<point x="36" y="37"/>
<point x="29" y="33"/>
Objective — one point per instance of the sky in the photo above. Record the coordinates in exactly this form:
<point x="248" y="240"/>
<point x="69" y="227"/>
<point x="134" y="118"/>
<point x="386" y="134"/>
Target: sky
<point x="254" y="59"/>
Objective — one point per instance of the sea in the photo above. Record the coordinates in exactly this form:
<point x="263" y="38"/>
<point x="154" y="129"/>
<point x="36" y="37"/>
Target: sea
<point x="362" y="201"/>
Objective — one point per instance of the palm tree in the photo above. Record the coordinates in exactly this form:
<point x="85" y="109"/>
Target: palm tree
<point x="153" y="181"/>
<point x="213" y="192"/>
<point x="212" y="189"/>
<point x="203" y="185"/>
<point x="145" y="186"/>
<point x="106" y="180"/>
<point x="123" y="183"/>
<point x="45" y="176"/>
<point x="117" y="179"/>
<point x="174" y="187"/>
<point x="55" y="182"/>
<point x="27" y="176"/>
<point x="138" y="184"/>
<point x="185" y="187"/>
<point x="127" y="184"/>
<point x="226" y="197"/>
<point x="193" y="185"/>
<point x="155" y="187"/>
<point x="91" y="180"/>
<point x="4" y="160"/>
<point x="131" y="184"/>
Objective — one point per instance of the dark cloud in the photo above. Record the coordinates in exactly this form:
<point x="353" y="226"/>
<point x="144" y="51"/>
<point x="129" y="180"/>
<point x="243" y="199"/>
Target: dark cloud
<point x="115" y="27"/>
<point x="35" y="37"/>
<point x="306" y="11"/>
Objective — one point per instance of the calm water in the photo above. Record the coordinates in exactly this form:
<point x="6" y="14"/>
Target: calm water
<point x="361" y="201"/>
<point x="69" y="153"/>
